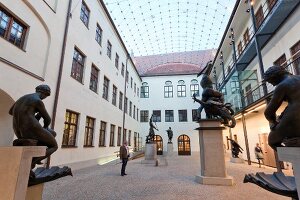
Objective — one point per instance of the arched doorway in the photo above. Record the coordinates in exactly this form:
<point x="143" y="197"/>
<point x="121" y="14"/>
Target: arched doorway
<point x="184" y="145"/>
<point x="6" y="129"/>
<point x="159" y="142"/>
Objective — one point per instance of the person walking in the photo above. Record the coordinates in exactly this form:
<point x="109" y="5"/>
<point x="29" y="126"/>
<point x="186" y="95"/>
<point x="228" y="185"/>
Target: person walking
<point x="124" y="155"/>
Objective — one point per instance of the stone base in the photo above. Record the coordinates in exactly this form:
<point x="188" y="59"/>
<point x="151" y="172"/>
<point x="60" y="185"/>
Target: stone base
<point x="153" y="162"/>
<point x="170" y="148"/>
<point x="214" y="180"/>
<point x="150" y="151"/>
<point x="236" y="160"/>
<point x="35" y="192"/>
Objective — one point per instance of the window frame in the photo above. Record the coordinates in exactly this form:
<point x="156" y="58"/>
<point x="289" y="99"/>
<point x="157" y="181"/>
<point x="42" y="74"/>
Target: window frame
<point x="99" y="33"/>
<point x="112" y="135"/>
<point x="109" y="49"/>
<point x="114" y="95"/>
<point x="182" y="115"/>
<point x="85" y="14"/>
<point x="105" y="88"/>
<point x="67" y="129"/>
<point x="169" y="118"/>
<point x="78" y="67"/>
<point x="89" y="131"/>
<point x="94" y="78"/>
<point x="144" y="116"/>
<point x="102" y="133"/>
<point x="156" y="115"/>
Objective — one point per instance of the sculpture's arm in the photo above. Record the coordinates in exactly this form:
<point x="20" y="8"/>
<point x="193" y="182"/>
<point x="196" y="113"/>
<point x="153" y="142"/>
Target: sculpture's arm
<point x="274" y="104"/>
<point x="43" y="113"/>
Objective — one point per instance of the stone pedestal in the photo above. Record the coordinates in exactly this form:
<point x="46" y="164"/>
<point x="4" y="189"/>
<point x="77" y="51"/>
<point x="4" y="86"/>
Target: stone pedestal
<point x="170" y="148"/>
<point x="236" y="160"/>
<point x="292" y="155"/>
<point x="150" y="154"/>
<point x="212" y="160"/>
<point x="15" y="165"/>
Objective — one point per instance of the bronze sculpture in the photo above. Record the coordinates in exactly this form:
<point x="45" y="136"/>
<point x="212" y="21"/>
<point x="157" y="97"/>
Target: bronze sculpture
<point x="212" y="101"/>
<point x="150" y="136"/>
<point x="26" y="112"/>
<point x="235" y="148"/>
<point x="286" y="127"/>
<point x="170" y="135"/>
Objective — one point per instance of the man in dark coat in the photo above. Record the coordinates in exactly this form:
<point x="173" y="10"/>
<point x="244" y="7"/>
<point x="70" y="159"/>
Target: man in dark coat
<point x="124" y="155"/>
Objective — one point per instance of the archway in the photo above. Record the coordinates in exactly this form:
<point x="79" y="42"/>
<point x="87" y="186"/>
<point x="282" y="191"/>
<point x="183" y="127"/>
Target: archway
<point x="159" y="142"/>
<point x="184" y="145"/>
<point x="6" y="129"/>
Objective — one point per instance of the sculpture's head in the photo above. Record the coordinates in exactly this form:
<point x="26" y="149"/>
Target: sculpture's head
<point x="206" y="82"/>
<point x="44" y="90"/>
<point x="275" y="74"/>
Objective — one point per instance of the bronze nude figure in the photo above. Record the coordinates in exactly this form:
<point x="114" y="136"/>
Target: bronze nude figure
<point x="150" y="137"/>
<point x="170" y="134"/>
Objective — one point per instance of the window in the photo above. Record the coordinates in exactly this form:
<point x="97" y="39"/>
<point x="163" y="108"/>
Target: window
<point x="194" y="87"/>
<point x="117" y="61"/>
<point x="85" y="14"/>
<point x="129" y="138"/>
<point x="259" y="16"/>
<point x="145" y="90"/>
<point x="194" y="115"/>
<point x="134" y="88"/>
<point x="281" y="61"/>
<point x="131" y="80"/>
<point x="271" y="3"/>
<point x="119" y="136"/>
<point x="89" y="132"/>
<point x="105" y="88"/>
<point x="124" y="134"/>
<point x="144" y="115"/>
<point x="169" y="116"/>
<point x="138" y="92"/>
<point x="102" y="134"/>
<point x="125" y="104"/>
<point x="123" y="69"/>
<point x="77" y="65"/>
<point x="127" y="76"/>
<point x="295" y="51"/>
<point x="182" y="115"/>
<point x="133" y="111"/>
<point x="12" y="29"/>
<point x="168" y="89"/>
<point x="156" y="116"/>
<point x="70" y="129"/>
<point x="94" y="79"/>
<point x="109" y="49"/>
<point x="137" y="114"/>
<point x="181" y="89"/>
<point x="98" y="37"/>
<point x="240" y="48"/>
<point x="130" y="108"/>
<point x="120" y="100"/>
<point x="246" y="37"/>
<point x="112" y="135"/>
<point x="114" y="96"/>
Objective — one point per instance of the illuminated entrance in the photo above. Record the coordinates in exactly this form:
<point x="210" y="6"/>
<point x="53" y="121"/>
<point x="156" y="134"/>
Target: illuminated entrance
<point x="159" y="142"/>
<point x="184" y="146"/>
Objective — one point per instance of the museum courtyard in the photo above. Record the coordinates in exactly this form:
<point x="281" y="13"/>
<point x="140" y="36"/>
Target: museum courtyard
<point x="173" y="178"/>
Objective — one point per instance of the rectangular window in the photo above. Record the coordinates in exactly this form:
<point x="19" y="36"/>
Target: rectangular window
<point x="169" y="116"/>
<point x="240" y="48"/>
<point x="145" y="92"/>
<point x="119" y="136"/>
<point x="156" y="116"/>
<point x="94" y="78"/>
<point x="246" y="37"/>
<point x="295" y="51"/>
<point x="137" y="114"/>
<point x="133" y="111"/>
<point x="259" y="16"/>
<point x="117" y="61"/>
<point x="130" y="108"/>
<point x="194" y="89"/>
<point x="89" y="132"/>
<point x="98" y="36"/>
<point x="109" y="47"/>
<point x="169" y="91"/>
<point x="281" y="61"/>
<point x="182" y="114"/>
<point x="129" y="138"/>
<point x="114" y="96"/>
<point x="126" y="105"/>
<point x="105" y="88"/>
<point x="123" y="69"/>
<point x="112" y="135"/>
<point x="131" y="81"/>
<point x="120" y="100"/>
<point x="124" y="134"/>
<point x="70" y="129"/>
<point x="134" y="88"/>
<point x="271" y="3"/>
<point x="138" y="91"/>
<point x="181" y="91"/>
<point x="12" y="29"/>
<point x="194" y="115"/>
<point x="144" y="115"/>
<point x="84" y="14"/>
<point x="77" y="65"/>
<point x="127" y="76"/>
<point x="102" y="134"/>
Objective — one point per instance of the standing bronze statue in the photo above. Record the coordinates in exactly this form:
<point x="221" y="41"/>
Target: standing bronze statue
<point x="150" y="137"/>
<point x="286" y="127"/>
<point x="170" y="135"/>
<point x="26" y="112"/>
<point x="236" y="149"/>
<point x="212" y="101"/>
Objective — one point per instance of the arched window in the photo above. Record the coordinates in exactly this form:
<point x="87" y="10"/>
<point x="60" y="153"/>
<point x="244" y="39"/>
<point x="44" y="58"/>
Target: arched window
<point x="194" y="87"/>
<point x="184" y="145"/>
<point x="181" y="90"/>
<point x="144" y="90"/>
<point x="168" y="89"/>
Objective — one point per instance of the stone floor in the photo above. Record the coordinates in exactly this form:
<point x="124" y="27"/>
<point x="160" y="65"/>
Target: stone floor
<point x="174" y="178"/>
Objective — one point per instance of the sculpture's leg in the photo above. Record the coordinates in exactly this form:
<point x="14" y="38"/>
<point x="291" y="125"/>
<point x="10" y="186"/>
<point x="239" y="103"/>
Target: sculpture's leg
<point x="275" y="139"/>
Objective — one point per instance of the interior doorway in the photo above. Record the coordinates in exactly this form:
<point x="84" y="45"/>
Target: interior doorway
<point x="159" y="144"/>
<point x="269" y="156"/>
<point x="6" y="125"/>
<point x="184" y="145"/>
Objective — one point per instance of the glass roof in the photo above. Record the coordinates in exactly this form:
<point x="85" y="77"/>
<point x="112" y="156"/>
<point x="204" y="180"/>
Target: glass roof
<point x="150" y="27"/>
